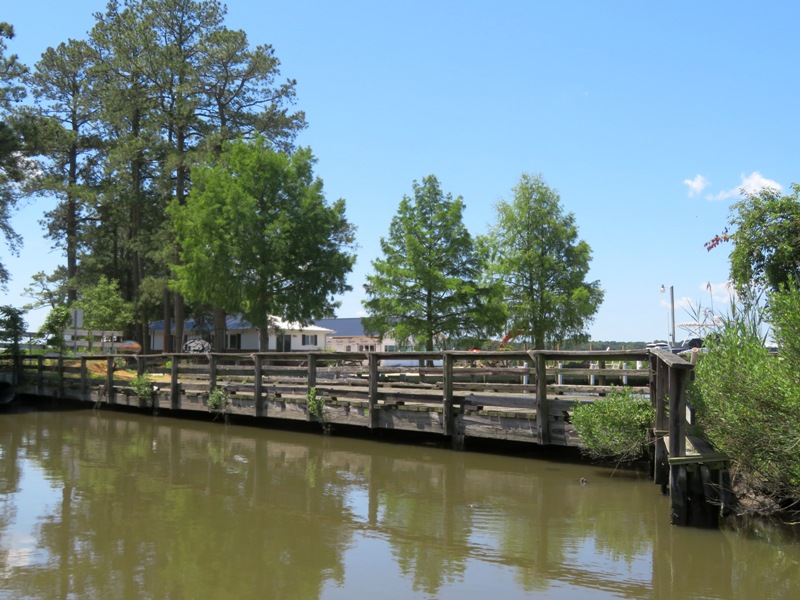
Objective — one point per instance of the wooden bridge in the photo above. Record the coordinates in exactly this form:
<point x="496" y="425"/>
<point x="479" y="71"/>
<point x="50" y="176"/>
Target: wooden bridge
<point x="504" y="395"/>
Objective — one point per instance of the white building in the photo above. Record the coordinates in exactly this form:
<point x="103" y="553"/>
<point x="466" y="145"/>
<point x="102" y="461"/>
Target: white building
<point x="241" y="336"/>
<point x="348" y="335"/>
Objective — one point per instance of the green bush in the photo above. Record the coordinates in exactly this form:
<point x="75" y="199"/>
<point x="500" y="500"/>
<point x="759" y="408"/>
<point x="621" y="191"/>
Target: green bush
<point x="316" y="404"/>
<point x="217" y="399"/>
<point x="142" y="386"/>
<point x="616" y="426"/>
<point x="748" y="400"/>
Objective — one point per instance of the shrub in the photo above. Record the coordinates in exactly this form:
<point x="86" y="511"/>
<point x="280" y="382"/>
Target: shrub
<point x="142" y="386"/>
<point x="315" y="403"/>
<point x="217" y="399"/>
<point x="748" y="401"/>
<point x="616" y="426"/>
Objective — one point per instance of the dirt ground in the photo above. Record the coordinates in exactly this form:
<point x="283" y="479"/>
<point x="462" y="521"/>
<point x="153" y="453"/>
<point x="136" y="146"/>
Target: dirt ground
<point x="98" y="367"/>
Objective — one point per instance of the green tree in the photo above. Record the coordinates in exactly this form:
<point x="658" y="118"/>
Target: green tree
<point x="63" y="84"/>
<point x="57" y="320"/>
<point x="47" y="290"/>
<point x="12" y="329"/>
<point x="172" y="85"/>
<point x="103" y="307"/>
<point x="537" y="254"/>
<point x="765" y="231"/>
<point x="428" y="286"/>
<point x="11" y="144"/>
<point x="258" y="237"/>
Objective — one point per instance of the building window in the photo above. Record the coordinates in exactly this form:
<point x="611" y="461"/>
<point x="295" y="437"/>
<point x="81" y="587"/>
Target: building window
<point x="366" y="347"/>
<point x="283" y="342"/>
<point x="348" y="348"/>
<point x="390" y="348"/>
<point x="309" y="340"/>
<point x="234" y="341"/>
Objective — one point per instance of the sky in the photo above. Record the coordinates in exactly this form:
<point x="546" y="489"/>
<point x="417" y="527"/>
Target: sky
<point x="647" y="117"/>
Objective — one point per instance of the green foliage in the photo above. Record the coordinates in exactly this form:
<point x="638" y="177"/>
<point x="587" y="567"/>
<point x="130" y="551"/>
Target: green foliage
<point x="616" y="426"/>
<point x="47" y="290"/>
<point x="104" y="307"/>
<point x="57" y="320"/>
<point x="120" y="133"/>
<point x="766" y="239"/>
<point x="12" y="327"/>
<point x="217" y="400"/>
<point x="11" y="142"/>
<point x="258" y="237"/>
<point x="315" y="403"/>
<point x="784" y="315"/>
<point x="537" y="254"/>
<point x="428" y="286"/>
<point x="748" y="400"/>
<point x="142" y="386"/>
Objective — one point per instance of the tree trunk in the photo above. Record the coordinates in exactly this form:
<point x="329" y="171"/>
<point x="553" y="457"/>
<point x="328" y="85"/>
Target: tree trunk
<point x="220" y="329"/>
<point x="166" y="344"/>
<point x="263" y="339"/>
<point x="179" y="318"/>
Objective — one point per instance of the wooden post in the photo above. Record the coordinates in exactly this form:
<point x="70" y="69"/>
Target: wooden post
<point x="312" y="371"/>
<point x="373" y="390"/>
<point x="212" y="371"/>
<point x="448" y="425"/>
<point x="110" y="398"/>
<point x="258" y="388"/>
<point x="174" y="384"/>
<point x="60" y="376"/>
<point x="659" y="377"/>
<point x="311" y="382"/>
<point x="678" y="476"/>
<point x="84" y="379"/>
<point x="542" y="412"/>
<point x="40" y="374"/>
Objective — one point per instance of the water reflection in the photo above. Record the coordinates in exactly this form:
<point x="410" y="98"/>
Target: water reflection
<point x="102" y="504"/>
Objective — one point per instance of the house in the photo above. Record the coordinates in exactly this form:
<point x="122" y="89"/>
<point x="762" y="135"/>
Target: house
<point x="348" y="335"/>
<point x="241" y="336"/>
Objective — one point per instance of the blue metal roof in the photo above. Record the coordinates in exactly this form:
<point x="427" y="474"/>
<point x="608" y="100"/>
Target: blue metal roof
<point x="350" y="327"/>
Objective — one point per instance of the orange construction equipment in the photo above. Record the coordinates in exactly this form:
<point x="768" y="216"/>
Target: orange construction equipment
<point x="511" y="335"/>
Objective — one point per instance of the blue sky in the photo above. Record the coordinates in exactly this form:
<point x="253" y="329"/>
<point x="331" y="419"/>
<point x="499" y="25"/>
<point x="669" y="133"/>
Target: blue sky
<point x="647" y="117"/>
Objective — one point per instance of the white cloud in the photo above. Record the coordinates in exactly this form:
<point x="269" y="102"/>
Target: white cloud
<point x="696" y="185"/>
<point x="751" y="184"/>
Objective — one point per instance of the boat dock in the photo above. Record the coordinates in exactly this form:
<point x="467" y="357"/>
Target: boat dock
<point x="503" y="395"/>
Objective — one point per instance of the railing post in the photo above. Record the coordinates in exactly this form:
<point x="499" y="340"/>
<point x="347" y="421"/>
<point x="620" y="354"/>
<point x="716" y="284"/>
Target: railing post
<point x="40" y="374"/>
<point x="447" y="395"/>
<point x="678" y="480"/>
<point x="312" y="371"/>
<point x="373" y="390"/>
<point x="311" y="382"/>
<point x="258" y="386"/>
<point x="110" y="398"/>
<point x="212" y="371"/>
<point x="174" y="384"/>
<point x="542" y="412"/>
<point x="659" y="375"/>
<point x="84" y="379"/>
<point x="60" y="376"/>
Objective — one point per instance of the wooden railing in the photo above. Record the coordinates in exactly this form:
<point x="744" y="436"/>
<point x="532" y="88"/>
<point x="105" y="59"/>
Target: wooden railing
<point x="697" y="475"/>
<point x="509" y="395"/>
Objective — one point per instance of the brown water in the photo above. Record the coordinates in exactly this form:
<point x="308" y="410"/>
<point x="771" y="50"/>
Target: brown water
<point x="114" y="505"/>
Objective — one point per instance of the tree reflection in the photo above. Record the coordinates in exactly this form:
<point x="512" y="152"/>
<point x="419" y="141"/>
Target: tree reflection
<point x="160" y="508"/>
